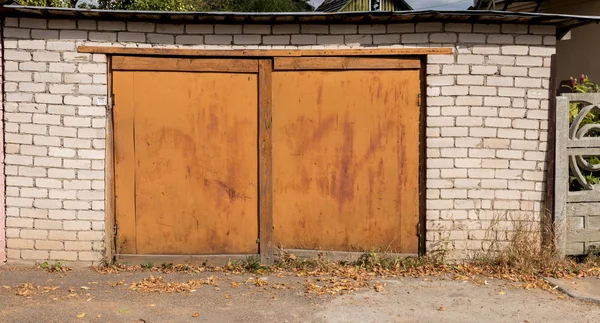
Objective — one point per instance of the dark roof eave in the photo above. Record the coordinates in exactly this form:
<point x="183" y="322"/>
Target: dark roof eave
<point x="493" y="17"/>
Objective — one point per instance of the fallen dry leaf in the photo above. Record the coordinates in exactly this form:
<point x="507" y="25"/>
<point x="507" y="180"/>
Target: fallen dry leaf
<point x="260" y="282"/>
<point x="80" y="316"/>
<point x="234" y="284"/>
<point x="196" y="314"/>
<point x="441" y="308"/>
<point x="379" y="287"/>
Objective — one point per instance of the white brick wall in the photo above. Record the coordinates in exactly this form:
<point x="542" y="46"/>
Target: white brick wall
<point x="486" y="120"/>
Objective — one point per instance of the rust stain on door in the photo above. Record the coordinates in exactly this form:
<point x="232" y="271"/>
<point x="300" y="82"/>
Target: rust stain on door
<point x="346" y="160"/>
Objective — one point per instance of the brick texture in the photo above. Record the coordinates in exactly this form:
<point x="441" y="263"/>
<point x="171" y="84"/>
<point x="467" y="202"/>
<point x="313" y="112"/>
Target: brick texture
<point x="486" y="121"/>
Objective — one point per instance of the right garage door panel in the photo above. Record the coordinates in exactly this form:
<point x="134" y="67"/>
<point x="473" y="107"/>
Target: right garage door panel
<point x="346" y="160"/>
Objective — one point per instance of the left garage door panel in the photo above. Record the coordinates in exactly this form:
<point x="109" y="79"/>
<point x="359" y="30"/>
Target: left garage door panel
<point x="185" y="153"/>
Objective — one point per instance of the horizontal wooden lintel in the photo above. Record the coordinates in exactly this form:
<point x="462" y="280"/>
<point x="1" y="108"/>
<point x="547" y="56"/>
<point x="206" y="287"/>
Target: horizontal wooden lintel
<point x="344" y="63"/>
<point x="262" y="52"/>
<point x="131" y="63"/>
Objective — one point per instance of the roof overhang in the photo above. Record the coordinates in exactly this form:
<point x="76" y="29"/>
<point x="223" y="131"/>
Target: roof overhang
<point x="561" y="22"/>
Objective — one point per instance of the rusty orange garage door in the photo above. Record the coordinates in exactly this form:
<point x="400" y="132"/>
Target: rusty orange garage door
<point x="185" y="156"/>
<point x="346" y="154"/>
<point x="212" y="156"/>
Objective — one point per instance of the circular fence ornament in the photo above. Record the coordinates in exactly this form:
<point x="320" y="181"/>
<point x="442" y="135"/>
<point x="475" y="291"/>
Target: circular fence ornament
<point x="578" y="162"/>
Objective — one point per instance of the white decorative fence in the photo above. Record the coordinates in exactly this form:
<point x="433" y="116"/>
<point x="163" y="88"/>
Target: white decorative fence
<point x="577" y="194"/>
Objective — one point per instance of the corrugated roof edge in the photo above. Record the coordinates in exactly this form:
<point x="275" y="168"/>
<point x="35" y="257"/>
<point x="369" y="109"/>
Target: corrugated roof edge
<point x="562" y="22"/>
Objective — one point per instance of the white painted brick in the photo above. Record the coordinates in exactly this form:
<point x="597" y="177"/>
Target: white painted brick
<point x="33" y="66"/>
<point x="537" y="94"/>
<point x="330" y="39"/>
<point x="486" y="49"/>
<point x="16" y="33"/>
<point x="87" y="174"/>
<point x="530" y="61"/>
<point x="62" y="235"/>
<point x="542" y="51"/>
<point x="345" y="29"/>
<point x="320" y="29"/>
<point x="18" y="139"/>
<point x="513" y="71"/>
<point x="469" y="80"/>
<point x="443" y="38"/>
<point x="247" y="39"/>
<point x="304" y="39"/>
<point x="19" y="244"/>
<point x="386" y="39"/>
<point x="34" y="150"/>
<point x="511" y="92"/>
<point x="471" y="38"/>
<point x="46" y="141"/>
<point x="455" y="69"/>
<point x="111" y="25"/>
<point x="90" y="236"/>
<point x="77" y="184"/>
<point x="257" y="29"/>
<point x="56" y="45"/>
<point x="415" y="38"/>
<point x="228" y="29"/>
<point x="511" y="133"/>
<point x="34" y="255"/>
<point x="131" y="37"/>
<point x="44" y="34"/>
<point x="62" y="67"/>
<point x="190" y="39"/>
<point x="501" y="39"/>
<point x="76" y="205"/>
<point x="218" y="39"/>
<point x="18" y="76"/>
<point x="32" y="87"/>
<point x="496" y="102"/>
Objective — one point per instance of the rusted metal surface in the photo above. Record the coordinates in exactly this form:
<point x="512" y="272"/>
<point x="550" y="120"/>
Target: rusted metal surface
<point x="124" y="160"/>
<point x="346" y="160"/>
<point x="186" y="161"/>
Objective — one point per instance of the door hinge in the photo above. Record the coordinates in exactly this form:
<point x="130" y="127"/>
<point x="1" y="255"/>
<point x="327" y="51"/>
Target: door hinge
<point x="115" y="229"/>
<point x="111" y="101"/>
<point x="419" y="99"/>
<point x="419" y="234"/>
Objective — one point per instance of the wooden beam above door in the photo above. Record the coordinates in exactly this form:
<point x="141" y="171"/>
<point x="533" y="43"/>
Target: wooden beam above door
<point x="263" y="52"/>
<point x="344" y="63"/>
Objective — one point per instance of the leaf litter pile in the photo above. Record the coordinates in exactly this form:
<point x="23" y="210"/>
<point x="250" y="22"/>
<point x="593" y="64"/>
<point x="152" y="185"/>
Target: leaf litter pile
<point x="157" y="284"/>
<point x="333" y="278"/>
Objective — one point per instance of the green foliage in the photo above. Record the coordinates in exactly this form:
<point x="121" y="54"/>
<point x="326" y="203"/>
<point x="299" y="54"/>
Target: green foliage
<point x="254" y="5"/>
<point x="179" y="5"/>
<point x="50" y="3"/>
<point x="584" y="85"/>
<point x="147" y="265"/>
<point x="56" y="267"/>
